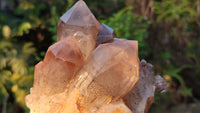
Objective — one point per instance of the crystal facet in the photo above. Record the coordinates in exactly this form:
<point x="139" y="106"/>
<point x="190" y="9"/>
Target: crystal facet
<point x="105" y="34"/>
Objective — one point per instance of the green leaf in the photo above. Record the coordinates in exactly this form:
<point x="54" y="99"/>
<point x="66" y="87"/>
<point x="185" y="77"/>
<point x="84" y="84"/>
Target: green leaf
<point x="24" y="28"/>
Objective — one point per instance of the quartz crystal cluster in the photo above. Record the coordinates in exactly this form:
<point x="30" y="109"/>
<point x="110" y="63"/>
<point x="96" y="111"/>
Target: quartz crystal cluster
<point x="88" y="70"/>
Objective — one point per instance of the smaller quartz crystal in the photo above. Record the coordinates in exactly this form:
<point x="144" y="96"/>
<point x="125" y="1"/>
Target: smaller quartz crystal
<point x="141" y="97"/>
<point x="106" y="34"/>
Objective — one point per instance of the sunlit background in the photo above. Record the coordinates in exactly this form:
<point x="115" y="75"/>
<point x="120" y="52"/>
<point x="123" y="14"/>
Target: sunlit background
<point x="168" y="32"/>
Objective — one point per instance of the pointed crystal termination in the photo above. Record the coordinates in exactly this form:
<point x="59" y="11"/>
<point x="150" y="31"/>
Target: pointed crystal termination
<point x="78" y="18"/>
<point x="79" y="15"/>
<point x="106" y="34"/>
<point x="80" y="23"/>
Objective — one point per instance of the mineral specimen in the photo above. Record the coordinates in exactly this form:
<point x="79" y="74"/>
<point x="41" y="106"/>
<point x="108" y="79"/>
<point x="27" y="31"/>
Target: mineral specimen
<point x="90" y="71"/>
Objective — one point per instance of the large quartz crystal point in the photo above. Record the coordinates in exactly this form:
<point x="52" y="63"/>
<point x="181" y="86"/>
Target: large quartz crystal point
<point x="111" y="72"/>
<point x="141" y="97"/>
<point x="105" y="34"/>
<point x="78" y="18"/>
<point x="62" y="61"/>
<point x="80" y="23"/>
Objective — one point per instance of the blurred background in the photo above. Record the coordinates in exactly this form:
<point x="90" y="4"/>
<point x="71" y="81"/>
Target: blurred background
<point x="168" y="32"/>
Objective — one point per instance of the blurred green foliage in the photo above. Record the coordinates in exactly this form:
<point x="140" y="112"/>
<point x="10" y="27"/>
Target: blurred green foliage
<point x="16" y="70"/>
<point x="130" y="26"/>
<point x="169" y="39"/>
